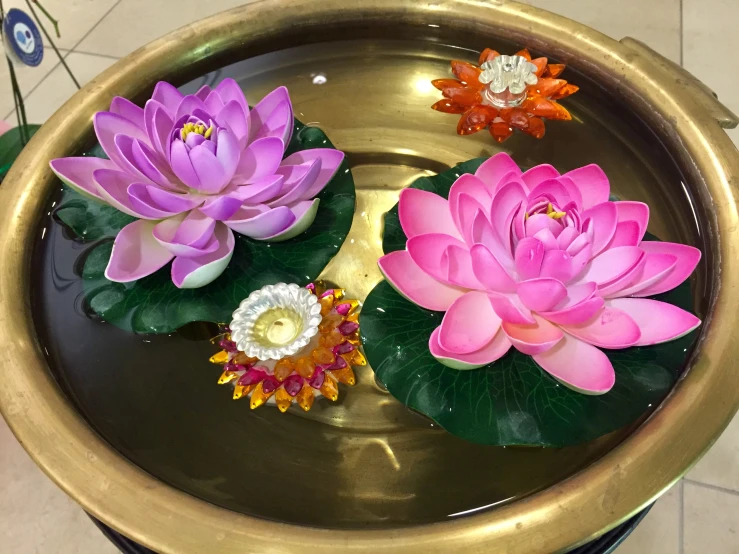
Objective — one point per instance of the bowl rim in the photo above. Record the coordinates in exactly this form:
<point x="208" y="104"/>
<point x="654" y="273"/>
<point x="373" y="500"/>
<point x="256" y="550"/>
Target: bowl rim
<point x="572" y="512"/>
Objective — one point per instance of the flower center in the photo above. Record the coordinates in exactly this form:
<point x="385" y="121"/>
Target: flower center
<point x="506" y="79"/>
<point x="196" y="128"/>
<point x="554" y="214"/>
<point x="277" y="327"/>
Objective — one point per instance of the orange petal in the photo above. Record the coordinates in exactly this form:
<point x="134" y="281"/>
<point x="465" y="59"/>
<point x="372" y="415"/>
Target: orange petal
<point x="447" y="106"/>
<point x="240" y="391"/>
<point x="467" y="73"/>
<point x="487" y="55"/>
<point x="441" y="84"/>
<point x="463" y="96"/>
<point x="283" y="369"/>
<point x="323" y="356"/>
<point x="547" y="87"/>
<point x="475" y="119"/>
<point x="536" y="127"/>
<point x="329" y="388"/>
<point x="305" y="367"/>
<point x="220" y="358"/>
<point x="541" y="107"/>
<point x="259" y="397"/>
<point x="565" y="91"/>
<point x="327" y="304"/>
<point x="554" y="69"/>
<point x="227" y="377"/>
<point x="283" y="399"/>
<point x="541" y="65"/>
<point x="305" y="397"/>
<point x="515" y="117"/>
<point x="501" y="130"/>
<point x="524" y="53"/>
<point x="345" y="376"/>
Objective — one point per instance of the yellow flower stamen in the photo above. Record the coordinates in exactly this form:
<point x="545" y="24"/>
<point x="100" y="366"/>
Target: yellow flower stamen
<point x="554" y="214"/>
<point x="198" y="129"/>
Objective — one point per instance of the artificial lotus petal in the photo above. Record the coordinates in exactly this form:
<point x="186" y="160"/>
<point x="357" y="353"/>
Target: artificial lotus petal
<point x="187" y="163"/>
<point x="555" y="259"/>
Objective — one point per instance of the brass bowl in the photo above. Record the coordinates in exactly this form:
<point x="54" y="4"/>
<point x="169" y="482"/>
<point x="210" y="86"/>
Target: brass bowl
<point x="660" y="140"/>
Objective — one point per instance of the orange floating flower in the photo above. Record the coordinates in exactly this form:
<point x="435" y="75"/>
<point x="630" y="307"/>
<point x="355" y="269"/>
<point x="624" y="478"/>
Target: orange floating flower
<point x="314" y="370"/>
<point x="504" y="93"/>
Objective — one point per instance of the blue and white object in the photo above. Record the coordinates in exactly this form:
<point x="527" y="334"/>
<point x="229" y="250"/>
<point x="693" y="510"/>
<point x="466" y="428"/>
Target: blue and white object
<point x="23" y="38"/>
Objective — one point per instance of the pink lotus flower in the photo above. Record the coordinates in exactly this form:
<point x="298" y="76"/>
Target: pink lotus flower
<point x="193" y="169"/>
<point x="540" y="261"/>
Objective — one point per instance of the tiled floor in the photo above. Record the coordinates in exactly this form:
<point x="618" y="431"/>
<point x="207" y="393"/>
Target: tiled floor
<point x="700" y="515"/>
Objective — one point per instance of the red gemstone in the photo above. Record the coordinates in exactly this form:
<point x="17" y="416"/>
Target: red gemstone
<point x="311" y="287"/>
<point x="317" y="380"/>
<point x="293" y="384"/>
<point x="329" y="292"/>
<point x="252" y="376"/>
<point x="344" y="348"/>
<point x="270" y="384"/>
<point x="343" y="309"/>
<point x="348" y="327"/>
<point x="340" y="363"/>
<point x="228" y="345"/>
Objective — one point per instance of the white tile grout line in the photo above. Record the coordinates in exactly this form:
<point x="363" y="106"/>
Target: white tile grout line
<point x="682" y="33"/>
<point x="712" y="487"/>
<point x="681" y="527"/>
<point x="68" y="52"/>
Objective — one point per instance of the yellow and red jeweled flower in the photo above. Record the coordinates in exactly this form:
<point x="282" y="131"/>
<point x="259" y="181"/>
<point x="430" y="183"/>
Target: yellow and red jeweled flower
<point x="318" y="368"/>
<point x="470" y="96"/>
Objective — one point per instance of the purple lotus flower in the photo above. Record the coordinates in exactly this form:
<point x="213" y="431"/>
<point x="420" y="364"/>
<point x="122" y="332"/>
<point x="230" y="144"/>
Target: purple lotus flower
<point x="193" y="169"/>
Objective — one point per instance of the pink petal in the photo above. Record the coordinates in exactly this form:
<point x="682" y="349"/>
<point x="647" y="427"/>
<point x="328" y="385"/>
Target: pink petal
<point x="259" y="224"/>
<point x="572" y="190"/>
<point x="612" y="287"/>
<point x="77" y="173"/>
<point x="113" y="187"/>
<point x="211" y="174"/>
<point x="182" y="165"/>
<point x="107" y="126"/>
<point x="233" y="117"/>
<point x="547" y="238"/>
<point x="634" y="211"/>
<point x="610" y="328"/>
<point x="415" y="284"/>
<point x="627" y="234"/>
<point x="533" y="338"/>
<point x="566" y="237"/>
<point x="529" y="257"/>
<point x="422" y="212"/>
<point x="658" y="321"/>
<point x="579" y="366"/>
<point x="559" y="265"/>
<point x="687" y="258"/>
<point x="539" y="174"/>
<point x="330" y="163"/>
<point x="168" y="96"/>
<point x="260" y="191"/>
<point x="492" y="170"/>
<point x="136" y="253"/>
<point x="261" y="159"/>
<point x="230" y="91"/>
<point x="494" y="350"/>
<point x="603" y="219"/>
<point x="469" y="324"/>
<point x="654" y="269"/>
<point x="129" y="110"/>
<point x="272" y="116"/>
<point x="473" y="188"/>
<point x="592" y="183"/>
<point x="165" y="231"/>
<point x="190" y="273"/>
<point x="482" y="233"/>
<point x="538" y="222"/>
<point x="509" y="308"/>
<point x="443" y="258"/>
<point x="488" y="270"/>
<point x="504" y="205"/>
<point x="576" y="314"/>
<point x="541" y="295"/>
<point x="551" y="189"/>
<point x="467" y="211"/>
<point x="611" y="264"/>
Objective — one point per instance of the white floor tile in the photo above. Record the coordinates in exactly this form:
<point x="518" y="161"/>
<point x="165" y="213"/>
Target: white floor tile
<point x="711" y="521"/>
<point x="720" y="466"/>
<point x="659" y="531"/>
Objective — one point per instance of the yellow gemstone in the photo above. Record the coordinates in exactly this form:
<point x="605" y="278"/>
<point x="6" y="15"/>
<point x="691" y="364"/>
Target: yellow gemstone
<point x="242" y="359"/>
<point x="323" y="356"/>
<point x="305" y="367"/>
<point x="227" y="377"/>
<point x="355" y="357"/>
<point x="330" y="322"/>
<point x="327" y="304"/>
<point x="220" y="358"/>
<point x="259" y="397"/>
<point x="338" y="294"/>
<point x="329" y="388"/>
<point x="345" y="375"/>
<point x="305" y="397"/>
<point x="354" y="317"/>
<point x="240" y="391"/>
<point x="334" y="338"/>
<point x="283" y="368"/>
<point x="283" y="399"/>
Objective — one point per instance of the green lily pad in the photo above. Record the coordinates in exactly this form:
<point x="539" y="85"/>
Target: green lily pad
<point x="11" y="144"/>
<point x="155" y="305"/>
<point x="511" y="401"/>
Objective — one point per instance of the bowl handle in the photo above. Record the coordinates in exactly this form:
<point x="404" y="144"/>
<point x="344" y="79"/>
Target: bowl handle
<point x="694" y="86"/>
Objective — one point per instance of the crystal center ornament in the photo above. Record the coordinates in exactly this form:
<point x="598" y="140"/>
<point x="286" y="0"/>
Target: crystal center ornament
<point x="506" y="79"/>
<point x="276" y="321"/>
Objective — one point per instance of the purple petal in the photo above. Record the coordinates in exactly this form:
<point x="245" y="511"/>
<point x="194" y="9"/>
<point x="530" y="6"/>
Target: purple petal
<point x="272" y="116"/>
<point x="195" y="230"/>
<point x="141" y="202"/>
<point x="330" y="162"/>
<point x="230" y="91"/>
<point x="153" y="165"/>
<point x="259" y="224"/>
<point x="129" y="110"/>
<point x="203" y="92"/>
<point x="221" y="207"/>
<point x="233" y="117"/>
<point x="173" y="201"/>
<point x="552" y="189"/>
<point x="165" y="231"/>
<point x="189" y="105"/>
<point x="136" y="253"/>
<point x="305" y="214"/>
<point x="261" y="159"/>
<point x="213" y="102"/>
<point x="297" y="183"/>
<point x="107" y="126"/>
<point x="168" y="96"/>
<point x="260" y="191"/>
<point x="227" y="152"/>
<point x="159" y="125"/>
<point x="78" y="173"/>
<point x="211" y="174"/>
<point x="182" y="165"/>
<point x="113" y="187"/>
<point x="190" y="273"/>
